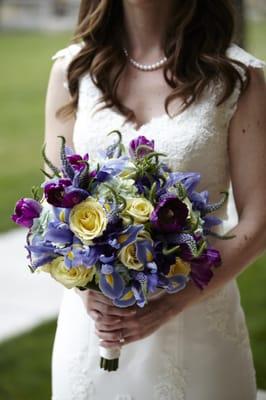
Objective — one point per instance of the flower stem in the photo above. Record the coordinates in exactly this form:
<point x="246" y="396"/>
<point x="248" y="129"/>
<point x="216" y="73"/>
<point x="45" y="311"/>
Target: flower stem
<point x="109" y="365"/>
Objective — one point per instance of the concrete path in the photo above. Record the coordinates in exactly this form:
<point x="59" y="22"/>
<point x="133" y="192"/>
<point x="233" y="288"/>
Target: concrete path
<point x="26" y="299"/>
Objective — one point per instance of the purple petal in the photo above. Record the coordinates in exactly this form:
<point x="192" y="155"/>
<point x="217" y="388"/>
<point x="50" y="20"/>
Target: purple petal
<point x="26" y="210"/>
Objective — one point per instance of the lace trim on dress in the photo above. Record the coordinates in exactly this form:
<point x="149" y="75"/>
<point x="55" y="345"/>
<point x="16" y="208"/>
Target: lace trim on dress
<point x="237" y="53"/>
<point x="82" y="387"/>
<point x="68" y="53"/>
<point x="219" y="318"/>
<point x="172" y="383"/>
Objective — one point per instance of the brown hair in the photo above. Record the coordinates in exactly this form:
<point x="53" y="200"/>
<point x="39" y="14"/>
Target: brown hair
<point x="195" y="44"/>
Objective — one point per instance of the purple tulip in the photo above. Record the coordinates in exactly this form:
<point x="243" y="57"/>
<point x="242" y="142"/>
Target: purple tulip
<point x="201" y="267"/>
<point x="26" y="210"/>
<point x="170" y="215"/>
<point x="141" y="141"/>
<point x="76" y="161"/>
<point x="60" y="193"/>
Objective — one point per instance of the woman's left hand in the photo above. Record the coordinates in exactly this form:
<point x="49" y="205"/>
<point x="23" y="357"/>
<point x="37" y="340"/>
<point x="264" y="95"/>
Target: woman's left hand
<point x="132" y="328"/>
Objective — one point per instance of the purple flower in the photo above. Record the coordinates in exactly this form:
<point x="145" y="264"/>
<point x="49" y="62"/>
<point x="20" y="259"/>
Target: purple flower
<point x="127" y="299"/>
<point x="40" y="252"/>
<point x="201" y="267"/>
<point x="58" y="232"/>
<point x="76" y="161"/>
<point x="188" y="179"/>
<point x="111" y="283"/>
<point x="140" y="141"/>
<point x="110" y="169"/>
<point x="61" y="193"/>
<point x="26" y="210"/>
<point x="170" y="215"/>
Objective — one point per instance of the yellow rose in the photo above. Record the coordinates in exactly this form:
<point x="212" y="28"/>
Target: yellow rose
<point x="78" y="276"/>
<point x="139" y="209"/>
<point x="180" y="267"/>
<point x="88" y="220"/>
<point x="127" y="254"/>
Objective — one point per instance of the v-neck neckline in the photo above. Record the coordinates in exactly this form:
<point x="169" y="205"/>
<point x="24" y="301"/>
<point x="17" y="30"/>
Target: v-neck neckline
<point x="151" y="121"/>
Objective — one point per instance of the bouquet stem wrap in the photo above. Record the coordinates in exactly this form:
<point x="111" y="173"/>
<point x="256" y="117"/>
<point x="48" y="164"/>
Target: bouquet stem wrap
<point x="109" y="358"/>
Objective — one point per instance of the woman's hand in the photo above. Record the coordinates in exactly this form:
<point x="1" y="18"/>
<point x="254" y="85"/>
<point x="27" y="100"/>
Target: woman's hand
<point x="107" y="317"/>
<point x="116" y="326"/>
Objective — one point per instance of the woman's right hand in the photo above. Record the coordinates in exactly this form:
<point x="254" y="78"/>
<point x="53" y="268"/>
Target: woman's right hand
<point x="107" y="317"/>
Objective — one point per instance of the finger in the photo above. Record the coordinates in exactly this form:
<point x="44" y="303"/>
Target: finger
<point x="109" y="344"/>
<point x="95" y="315"/>
<point x="132" y="338"/>
<point x="113" y="311"/>
<point x="101" y="326"/>
<point x="104" y="321"/>
<point x="110" y="335"/>
<point x="100" y="298"/>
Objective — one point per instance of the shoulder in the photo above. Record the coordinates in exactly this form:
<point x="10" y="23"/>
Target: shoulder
<point x="69" y="52"/>
<point x="255" y="65"/>
<point x="62" y="58"/>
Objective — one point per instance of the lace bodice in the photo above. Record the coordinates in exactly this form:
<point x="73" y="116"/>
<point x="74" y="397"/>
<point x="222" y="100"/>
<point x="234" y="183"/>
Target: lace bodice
<point x="194" y="140"/>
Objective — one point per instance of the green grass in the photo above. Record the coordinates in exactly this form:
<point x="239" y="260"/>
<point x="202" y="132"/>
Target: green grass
<point x="25" y="365"/>
<point x="24" y="71"/>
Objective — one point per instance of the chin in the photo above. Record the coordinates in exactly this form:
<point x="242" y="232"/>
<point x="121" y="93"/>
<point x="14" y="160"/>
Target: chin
<point x="139" y="2"/>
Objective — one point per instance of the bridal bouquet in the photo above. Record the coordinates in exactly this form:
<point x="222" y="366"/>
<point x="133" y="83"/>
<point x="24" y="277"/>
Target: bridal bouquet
<point x="122" y="223"/>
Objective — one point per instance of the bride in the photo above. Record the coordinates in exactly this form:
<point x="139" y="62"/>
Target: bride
<point x="168" y="70"/>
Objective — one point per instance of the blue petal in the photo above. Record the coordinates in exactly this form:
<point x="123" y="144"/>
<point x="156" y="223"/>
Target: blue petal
<point x="126" y="300"/>
<point x="39" y="262"/>
<point x="211" y="220"/>
<point x="141" y="301"/>
<point x="129" y="235"/>
<point x="176" y="283"/>
<point x="62" y="214"/>
<point x="61" y="235"/>
<point x="152" y="282"/>
<point x="144" y="251"/>
<point x="106" y="259"/>
<point x="188" y="179"/>
<point x="112" y="285"/>
<point x="107" y="269"/>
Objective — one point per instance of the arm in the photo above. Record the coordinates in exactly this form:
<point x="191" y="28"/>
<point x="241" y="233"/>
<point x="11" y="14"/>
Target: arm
<point x="247" y="155"/>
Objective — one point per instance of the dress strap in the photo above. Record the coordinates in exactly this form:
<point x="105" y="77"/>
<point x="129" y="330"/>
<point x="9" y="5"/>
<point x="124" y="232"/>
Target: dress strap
<point x="236" y="52"/>
<point x="67" y="54"/>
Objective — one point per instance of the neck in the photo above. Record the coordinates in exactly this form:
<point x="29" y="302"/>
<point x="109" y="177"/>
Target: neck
<point x="145" y="25"/>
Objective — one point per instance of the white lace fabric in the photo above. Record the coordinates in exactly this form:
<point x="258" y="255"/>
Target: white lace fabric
<point x="203" y="353"/>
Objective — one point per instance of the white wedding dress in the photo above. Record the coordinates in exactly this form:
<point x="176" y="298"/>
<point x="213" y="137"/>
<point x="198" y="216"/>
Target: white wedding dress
<point x="203" y="353"/>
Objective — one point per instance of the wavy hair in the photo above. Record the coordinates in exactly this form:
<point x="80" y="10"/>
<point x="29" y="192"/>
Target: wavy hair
<point x="195" y="44"/>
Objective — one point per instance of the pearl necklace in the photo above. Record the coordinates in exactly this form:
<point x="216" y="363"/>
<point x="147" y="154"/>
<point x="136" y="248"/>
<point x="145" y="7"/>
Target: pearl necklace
<point x="145" y="67"/>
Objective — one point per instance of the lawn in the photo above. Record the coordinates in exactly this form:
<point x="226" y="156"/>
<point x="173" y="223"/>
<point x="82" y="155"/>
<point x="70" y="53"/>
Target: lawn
<point x="24" y="73"/>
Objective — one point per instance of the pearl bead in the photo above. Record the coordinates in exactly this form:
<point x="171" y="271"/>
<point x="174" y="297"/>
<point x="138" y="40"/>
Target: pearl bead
<point x="145" y="67"/>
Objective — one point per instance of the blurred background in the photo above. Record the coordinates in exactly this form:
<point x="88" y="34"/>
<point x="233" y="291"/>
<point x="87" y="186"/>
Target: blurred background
<point x="31" y="31"/>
